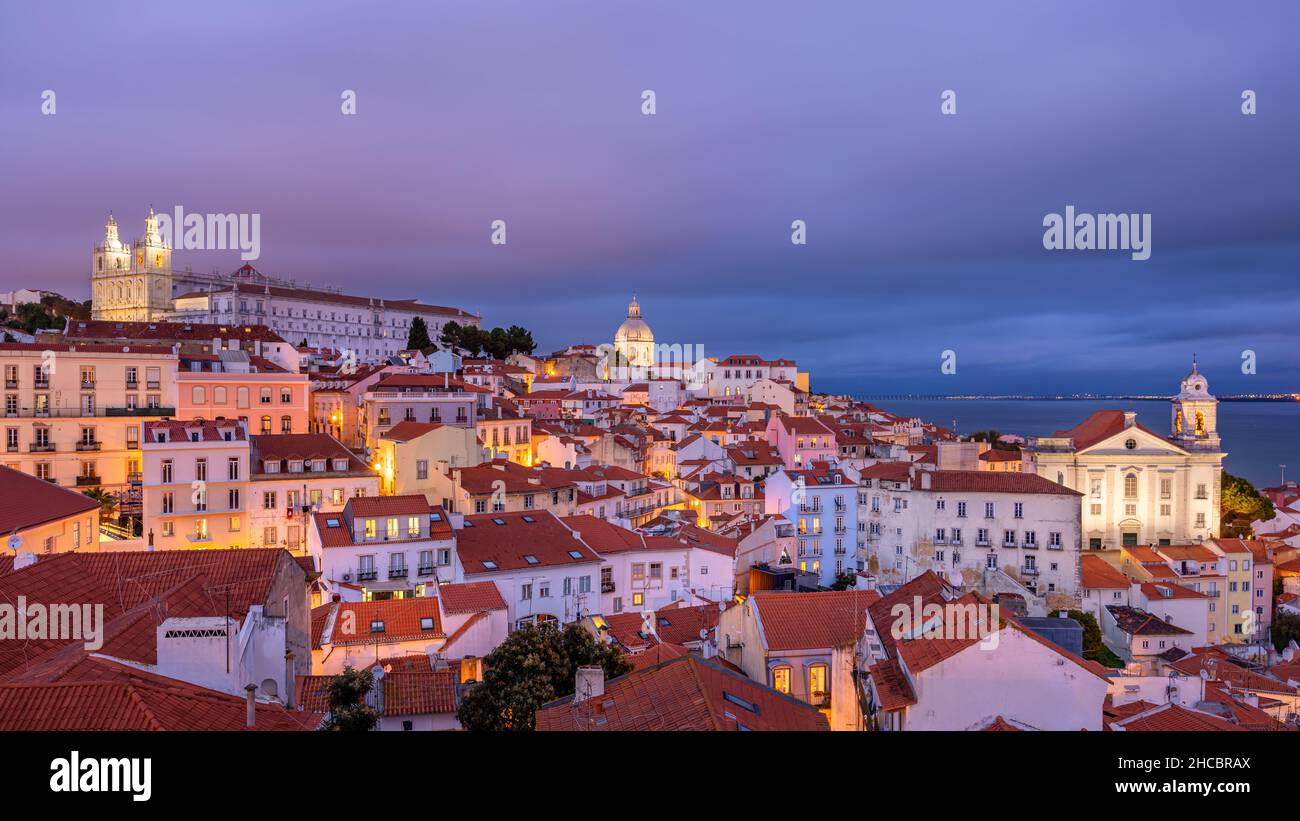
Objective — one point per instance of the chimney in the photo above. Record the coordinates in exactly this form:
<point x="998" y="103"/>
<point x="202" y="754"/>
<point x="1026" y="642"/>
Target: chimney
<point x="250" y="718"/>
<point x="925" y="480"/>
<point x="588" y="683"/>
<point x="290" y="682"/>
<point x="24" y="558"/>
<point x="1129" y="418"/>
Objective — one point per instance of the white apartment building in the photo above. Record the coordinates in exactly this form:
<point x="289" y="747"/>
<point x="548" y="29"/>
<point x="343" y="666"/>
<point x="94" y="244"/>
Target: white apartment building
<point x="374" y="329"/>
<point x="413" y="397"/>
<point x="735" y="375"/>
<point x="295" y="475"/>
<point x="382" y="547"/>
<point x="647" y="571"/>
<point x="545" y="570"/>
<point x="964" y="523"/>
<point x="195" y="483"/>
<point x="72" y="413"/>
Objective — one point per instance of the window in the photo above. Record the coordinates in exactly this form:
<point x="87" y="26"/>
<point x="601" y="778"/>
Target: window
<point x="818" y="683"/>
<point x="266" y="425"/>
<point x="988" y="510"/>
<point x="781" y="680"/>
<point x="1019" y="510"/>
<point x="1131" y="486"/>
<point x="391" y="530"/>
<point x="421" y="468"/>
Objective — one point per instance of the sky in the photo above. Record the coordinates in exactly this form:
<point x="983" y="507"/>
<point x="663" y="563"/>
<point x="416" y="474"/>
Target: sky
<point x="924" y="230"/>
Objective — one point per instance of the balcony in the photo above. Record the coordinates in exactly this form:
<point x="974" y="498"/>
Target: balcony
<point x="132" y="385"/>
<point x="606" y="587"/>
<point x="153" y="386"/>
<point x="1029" y="571"/>
<point x="88" y="481"/>
<point x="39" y="447"/>
<point x="367" y="575"/>
<point x="86" y="446"/>
<point x="397" y="572"/>
<point x="11" y="384"/>
<point x="87" y="385"/>
<point x="146" y="411"/>
<point x="425" y="570"/>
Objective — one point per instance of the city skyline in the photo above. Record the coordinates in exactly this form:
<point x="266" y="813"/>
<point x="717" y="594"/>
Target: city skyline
<point x="905" y="257"/>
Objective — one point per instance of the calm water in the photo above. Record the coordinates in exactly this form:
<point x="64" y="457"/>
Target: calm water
<point x="1257" y="436"/>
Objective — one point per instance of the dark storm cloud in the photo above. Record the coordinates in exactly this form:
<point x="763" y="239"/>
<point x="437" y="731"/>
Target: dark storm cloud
<point x="924" y="231"/>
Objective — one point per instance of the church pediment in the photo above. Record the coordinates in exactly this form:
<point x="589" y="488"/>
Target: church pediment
<point x="1141" y="439"/>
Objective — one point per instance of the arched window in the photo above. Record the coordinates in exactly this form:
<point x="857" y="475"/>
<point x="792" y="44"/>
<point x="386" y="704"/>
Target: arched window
<point x="781" y="679"/>
<point x="1131" y="486"/>
<point x="199" y="395"/>
<point x="286" y="424"/>
<point x="819" y="684"/>
<point x="219" y="396"/>
<point x="266" y="396"/>
<point x="1200" y="423"/>
<point x="241" y="397"/>
<point x="266" y="424"/>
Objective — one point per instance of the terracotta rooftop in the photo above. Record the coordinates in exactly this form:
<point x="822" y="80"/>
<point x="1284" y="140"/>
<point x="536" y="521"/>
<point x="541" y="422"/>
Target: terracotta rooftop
<point x="796" y="621"/>
<point x="27" y="502"/>
<point x="683" y="693"/>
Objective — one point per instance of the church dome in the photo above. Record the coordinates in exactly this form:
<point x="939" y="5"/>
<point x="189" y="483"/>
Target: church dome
<point x="634" y="328"/>
<point x="1194" y="385"/>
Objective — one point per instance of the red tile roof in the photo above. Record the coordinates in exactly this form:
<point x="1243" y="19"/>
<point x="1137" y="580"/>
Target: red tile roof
<point x="282" y="447"/>
<point x="403" y="620"/>
<point x="470" y="597"/>
<point x="1101" y="425"/>
<point x="169" y="331"/>
<point x="796" y="621"/>
<point x="1172" y="717"/>
<point x="137" y="700"/>
<point x="407" y="430"/>
<point x="26" y="502"/>
<point x="507" y="539"/>
<point x="985" y="481"/>
<point x="1098" y="574"/>
<point x="683" y="693"/>
<point x="138" y="590"/>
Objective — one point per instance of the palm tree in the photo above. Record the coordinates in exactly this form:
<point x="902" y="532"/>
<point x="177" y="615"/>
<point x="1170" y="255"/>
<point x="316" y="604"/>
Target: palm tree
<point x="107" y="501"/>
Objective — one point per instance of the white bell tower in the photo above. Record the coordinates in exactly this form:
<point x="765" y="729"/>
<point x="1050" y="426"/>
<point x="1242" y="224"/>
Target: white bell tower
<point x="1194" y="414"/>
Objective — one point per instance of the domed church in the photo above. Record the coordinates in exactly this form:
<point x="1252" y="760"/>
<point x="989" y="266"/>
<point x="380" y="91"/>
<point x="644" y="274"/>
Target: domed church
<point x="634" y="343"/>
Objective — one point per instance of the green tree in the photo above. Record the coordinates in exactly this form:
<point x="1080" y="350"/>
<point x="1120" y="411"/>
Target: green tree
<point x="845" y="581"/>
<point x="1241" y="501"/>
<point x="1093" y="647"/>
<point x="1286" y="628"/>
<point x="107" y="501"/>
<point x="534" y="665"/>
<point x="520" y="340"/>
<point x="417" y="339"/>
<point x="349" y="712"/>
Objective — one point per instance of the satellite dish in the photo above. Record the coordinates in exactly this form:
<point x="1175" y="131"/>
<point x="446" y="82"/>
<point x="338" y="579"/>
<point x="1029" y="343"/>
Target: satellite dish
<point x="954" y="578"/>
<point x="704" y="633"/>
<point x="15" y="542"/>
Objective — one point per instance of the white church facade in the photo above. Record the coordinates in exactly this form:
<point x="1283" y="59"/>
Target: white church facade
<point x="1138" y="486"/>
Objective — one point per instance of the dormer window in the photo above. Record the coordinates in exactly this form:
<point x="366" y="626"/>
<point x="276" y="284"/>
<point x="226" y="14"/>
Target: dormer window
<point x="340" y="465"/>
<point x="271" y="466"/>
<point x="295" y="466"/>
